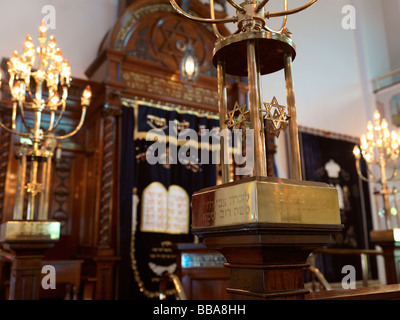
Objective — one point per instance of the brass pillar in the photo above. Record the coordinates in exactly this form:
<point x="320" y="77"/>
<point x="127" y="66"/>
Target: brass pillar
<point x="223" y="107"/>
<point x="260" y="158"/>
<point x="294" y="149"/>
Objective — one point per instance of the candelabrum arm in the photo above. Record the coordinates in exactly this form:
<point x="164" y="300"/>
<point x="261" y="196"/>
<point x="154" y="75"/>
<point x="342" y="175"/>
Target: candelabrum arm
<point x="289" y="12"/>
<point x="284" y="18"/>
<point x="214" y="26"/>
<point x="63" y="104"/>
<point x="394" y="173"/>
<point x="22" y="112"/>
<point x="13" y="129"/>
<point x="14" y="116"/>
<point x="52" y="117"/>
<point x="261" y="5"/>
<point x="20" y="134"/>
<point x="238" y="7"/>
<point x="83" y="114"/>
<point x="53" y="125"/>
<point x="360" y="174"/>
<point x="203" y="20"/>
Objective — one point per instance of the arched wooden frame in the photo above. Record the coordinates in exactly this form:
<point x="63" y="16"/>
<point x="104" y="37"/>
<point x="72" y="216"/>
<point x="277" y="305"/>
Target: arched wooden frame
<point x="140" y="56"/>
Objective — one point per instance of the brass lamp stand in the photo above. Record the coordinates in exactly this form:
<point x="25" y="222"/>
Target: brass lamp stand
<point x="31" y="233"/>
<point x="380" y="148"/>
<point x="265" y="227"/>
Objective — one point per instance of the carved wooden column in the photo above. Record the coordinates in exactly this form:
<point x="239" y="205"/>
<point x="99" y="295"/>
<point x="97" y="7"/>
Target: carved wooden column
<point x="108" y="212"/>
<point x="5" y="138"/>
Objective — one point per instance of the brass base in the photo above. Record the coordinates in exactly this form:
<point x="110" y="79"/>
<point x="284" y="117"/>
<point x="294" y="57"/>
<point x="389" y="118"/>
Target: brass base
<point x="266" y="228"/>
<point x="27" y="231"/>
<point x="265" y="200"/>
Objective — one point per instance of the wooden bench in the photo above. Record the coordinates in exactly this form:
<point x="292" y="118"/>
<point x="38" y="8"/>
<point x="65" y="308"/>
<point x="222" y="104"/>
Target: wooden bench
<point x="387" y="292"/>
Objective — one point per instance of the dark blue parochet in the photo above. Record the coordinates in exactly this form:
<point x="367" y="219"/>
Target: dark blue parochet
<point x="135" y="171"/>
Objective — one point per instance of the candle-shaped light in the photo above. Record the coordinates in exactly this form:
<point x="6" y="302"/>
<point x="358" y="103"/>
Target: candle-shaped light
<point x="18" y="91"/>
<point x="52" y="43"/>
<point x="55" y="99"/>
<point x="65" y="72"/>
<point x="86" y="96"/>
<point x="58" y="59"/>
<point x="356" y="152"/>
<point x="12" y="64"/>
<point x="42" y="31"/>
<point x="29" y="51"/>
<point x="377" y="116"/>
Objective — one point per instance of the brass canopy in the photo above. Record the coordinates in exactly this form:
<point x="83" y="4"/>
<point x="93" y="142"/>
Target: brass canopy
<point x="271" y="50"/>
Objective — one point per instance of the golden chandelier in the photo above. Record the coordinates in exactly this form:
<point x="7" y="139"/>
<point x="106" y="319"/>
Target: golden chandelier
<point x="380" y="147"/>
<point x="41" y="90"/>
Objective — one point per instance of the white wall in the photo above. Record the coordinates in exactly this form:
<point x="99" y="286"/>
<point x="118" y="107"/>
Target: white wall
<point x="391" y="11"/>
<point x="80" y="27"/>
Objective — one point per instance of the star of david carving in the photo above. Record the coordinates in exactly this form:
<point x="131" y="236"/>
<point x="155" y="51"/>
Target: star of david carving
<point x="172" y="33"/>
<point x="237" y="123"/>
<point x="277" y="118"/>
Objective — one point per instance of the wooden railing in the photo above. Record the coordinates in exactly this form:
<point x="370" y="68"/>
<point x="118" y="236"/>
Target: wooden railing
<point x="362" y="253"/>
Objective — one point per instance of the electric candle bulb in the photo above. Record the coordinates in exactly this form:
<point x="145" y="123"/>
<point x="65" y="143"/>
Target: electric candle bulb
<point x="58" y="55"/>
<point x="363" y="139"/>
<point x="66" y="69"/>
<point x="55" y="99"/>
<point x="189" y="65"/>
<point x="14" y="57"/>
<point x="43" y="28"/>
<point x="86" y="96"/>
<point x="356" y="152"/>
<point x="28" y="42"/>
<point x="19" y="93"/>
<point x="52" y="42"/>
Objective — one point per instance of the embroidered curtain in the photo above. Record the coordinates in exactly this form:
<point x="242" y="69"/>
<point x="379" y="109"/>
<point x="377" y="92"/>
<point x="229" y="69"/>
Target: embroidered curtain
<point x="158" y="213"/>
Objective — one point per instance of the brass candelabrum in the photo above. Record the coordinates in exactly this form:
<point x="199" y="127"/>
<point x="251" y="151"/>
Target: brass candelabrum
<point x="264" y="226"/>
<point x="43" y="90"/>
<point x="254" y="50"/>
<point x="380" y="149"/>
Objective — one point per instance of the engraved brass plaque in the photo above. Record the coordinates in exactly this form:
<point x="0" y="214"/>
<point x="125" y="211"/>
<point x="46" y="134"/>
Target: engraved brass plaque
<point x="266" y="200"/>
<point x="30" y="231"/>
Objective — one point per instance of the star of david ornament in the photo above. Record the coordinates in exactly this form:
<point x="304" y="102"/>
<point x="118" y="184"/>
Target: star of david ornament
<point x="237" y="123"/>
<point x="277" y="118"/>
